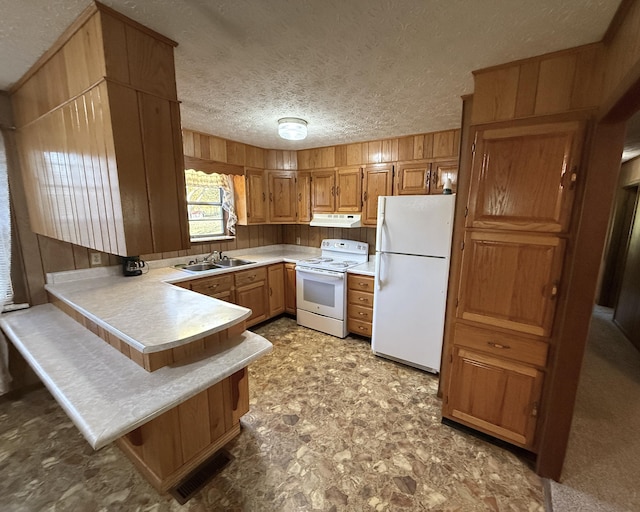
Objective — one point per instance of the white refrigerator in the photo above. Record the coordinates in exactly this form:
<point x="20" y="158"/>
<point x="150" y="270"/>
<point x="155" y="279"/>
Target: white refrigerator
<point x="413" y="249"/>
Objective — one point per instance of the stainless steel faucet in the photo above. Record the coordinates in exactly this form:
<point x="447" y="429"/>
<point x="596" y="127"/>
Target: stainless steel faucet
<point x="215" y="256"/>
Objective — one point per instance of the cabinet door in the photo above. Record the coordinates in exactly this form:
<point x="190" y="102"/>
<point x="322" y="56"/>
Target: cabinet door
<point x="349" y="190"/>
<point x="290" y="288"/>
<point x="440" y="171"/>
<point x="254" y="296"/>
<point x="276" y="289"/>
<point x="256" y="197"/>
<point x="378" y="181"/>
<point x="412" y="178"/>
<point x="303" y="189"/>
<point x="497" y="396"/>
<point x="511" y="280"/>
<point x="523" y="178"/>
<point x="323" y="191"/>
<point x="282" y="196"/>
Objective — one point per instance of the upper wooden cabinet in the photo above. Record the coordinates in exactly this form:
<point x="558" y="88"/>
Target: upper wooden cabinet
<point x="100" y="141"/>
<point x="440" y="171"/>
<point x="349" y="189"/>
<point x="323" y="190"/>
<point x="511" y="280"/>
<point x="377" y="181"/>
<point x="251" y="197"/>
<point x="303" y="190"/>
<point x="523" y="177"/>
<point x="282" y="196"/>
<point x="412" y="178"/>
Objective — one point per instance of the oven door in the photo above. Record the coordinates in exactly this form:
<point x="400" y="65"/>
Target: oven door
<point x="321" y="291"/>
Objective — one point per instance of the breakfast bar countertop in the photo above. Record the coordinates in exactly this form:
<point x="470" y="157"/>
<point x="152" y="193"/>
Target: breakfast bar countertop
<point x="151" y="314"/>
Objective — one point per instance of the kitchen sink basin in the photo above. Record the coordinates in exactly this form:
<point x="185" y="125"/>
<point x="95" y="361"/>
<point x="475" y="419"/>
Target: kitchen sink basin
<point x="233" y="262"/>
<point x="210" y="265"/>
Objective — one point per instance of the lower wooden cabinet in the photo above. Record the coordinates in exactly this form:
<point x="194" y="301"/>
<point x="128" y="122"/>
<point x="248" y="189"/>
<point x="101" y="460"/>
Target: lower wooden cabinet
<point x="360" y="304"/>
<point x="219" y="287"/>
<point x="275" y="275"/>
<point x="495" y="383"/>
<point x="252" y="291"/>
<point x="290" y="288"/>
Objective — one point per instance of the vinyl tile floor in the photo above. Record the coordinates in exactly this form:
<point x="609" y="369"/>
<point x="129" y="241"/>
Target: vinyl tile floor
<point x="331" y="427"/>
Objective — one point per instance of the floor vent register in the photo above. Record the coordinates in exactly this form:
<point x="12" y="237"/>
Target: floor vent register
<point x="184" y="491"/>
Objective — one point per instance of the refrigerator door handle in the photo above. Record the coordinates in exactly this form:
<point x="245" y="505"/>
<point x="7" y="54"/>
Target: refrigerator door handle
<point x="378" y="271"/>
<point x="380" y="226"/>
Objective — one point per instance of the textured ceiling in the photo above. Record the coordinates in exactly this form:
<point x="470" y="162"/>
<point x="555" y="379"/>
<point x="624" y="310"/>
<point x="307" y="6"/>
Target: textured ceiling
<point x="354" y="69"/>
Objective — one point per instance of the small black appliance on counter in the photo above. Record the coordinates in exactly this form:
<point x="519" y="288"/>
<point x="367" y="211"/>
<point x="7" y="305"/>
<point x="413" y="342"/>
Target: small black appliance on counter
<point x="132" y="265"/>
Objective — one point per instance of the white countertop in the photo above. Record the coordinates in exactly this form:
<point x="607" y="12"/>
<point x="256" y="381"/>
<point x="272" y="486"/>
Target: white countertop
<point x="147" y="311"/>
<point x="104" y="393"/>
<point x="368" y="268"/>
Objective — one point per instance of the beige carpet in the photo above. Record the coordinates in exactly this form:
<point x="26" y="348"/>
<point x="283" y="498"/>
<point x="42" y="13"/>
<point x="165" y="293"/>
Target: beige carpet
<point x="602" y="468"/>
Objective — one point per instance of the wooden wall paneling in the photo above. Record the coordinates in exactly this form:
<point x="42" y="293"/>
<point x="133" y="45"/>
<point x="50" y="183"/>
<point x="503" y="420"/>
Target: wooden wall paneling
<point x="84" y="58"/>
<point x="114" y="40"/>
<point x="389" y="150"/>
<point x="217" y="149"/>
<point x="341" y="155"/>
<point x="555" y="84"/>
<point x="495" y="94"/>
<point x="188" y="143"/>
<point x="161" y="172"/>
<point x="151" y="66"/>
<point x="374" y="152"/>
<point x="56" y="254"/>
<point x="195" y="432"/>
<point x="161" y="449"/>
<point x="527" y="88"/>
<point x="197" y="145"/>
<point x="588" y="78"/>
<point x="81" y="257"/>
<point x="131" y="183"/>
<point x="180" y="188"/>
<point x="405" y="148"/>
<point x="111" y="239"/>
<point x="446" y="144"/>
<point x="356" y="154"/>
<point x="254" y="157"/>
<point x="235" y="153"/>
<point x="219" y="410"/>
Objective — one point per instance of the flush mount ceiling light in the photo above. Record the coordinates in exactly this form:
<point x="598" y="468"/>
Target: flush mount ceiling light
<point x="292" y="128"/>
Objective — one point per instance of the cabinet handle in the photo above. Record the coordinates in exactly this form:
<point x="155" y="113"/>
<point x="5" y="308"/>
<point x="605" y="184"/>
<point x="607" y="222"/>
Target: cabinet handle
<point x="365" y="195"/>
<point x="497" y="345"/>
<point x="300" y="197"/>
<point x="271" y="197"/>
<point x="270" y="292"/>
<point x="364" y="285"/>
<point x="338" y="191"/>
<point x="264" y="197"/>
<point x="554" y="290"/>
<point x="360" y="313"/>
<point x="252" y="278"/>
<point x="427" y="179"/>
<point x="333" y="191"/>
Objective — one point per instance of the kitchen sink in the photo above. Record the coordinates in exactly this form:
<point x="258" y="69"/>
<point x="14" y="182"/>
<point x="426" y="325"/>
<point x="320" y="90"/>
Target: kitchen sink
<point x="210" y="265"/>
<point x="233" y="262"/>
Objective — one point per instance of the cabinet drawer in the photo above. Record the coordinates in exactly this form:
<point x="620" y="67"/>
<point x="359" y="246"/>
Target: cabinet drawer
<point x="360" y="282"/>
<point x="360" y="298"/>
<point x="246" y="277"/>
<point x="363" y="328"/>
<point x="501" y="344"/>
<point x="213" y="285"/>
<point x="362" y="313"/>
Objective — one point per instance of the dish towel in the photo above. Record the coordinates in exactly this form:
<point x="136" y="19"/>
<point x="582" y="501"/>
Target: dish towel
<point x="5" y="376"/>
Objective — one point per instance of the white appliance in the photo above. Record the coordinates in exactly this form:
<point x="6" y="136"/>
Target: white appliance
<point x="413" y="249"/>
<point x="321" y="292"/>
<point x="337" y="220"/>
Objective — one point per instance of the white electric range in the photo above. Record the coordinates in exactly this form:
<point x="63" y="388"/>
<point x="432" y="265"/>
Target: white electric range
<point x="321" y="291"/>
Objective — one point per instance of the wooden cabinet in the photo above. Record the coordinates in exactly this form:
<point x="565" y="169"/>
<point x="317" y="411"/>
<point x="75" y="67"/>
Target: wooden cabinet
<point x="496" y="395"/>
<point x="360" y="304"/>
<point x="412" y="178"/>
<point x="424" y="177"/>
<point x="252" y="292"/>
<point x="511" y="280"/>
<point x="282" y="196"/>
<point x="256" y="196"/>
<point x="303" y="190"/>
<point x="275" y="276"/>
<point x="349" y="189"/>
<point x="290" y="288"/>
<point x="523" y="178"/>
<point x="520" y="199"/>
<point x="219" y="287"/>
<point x="440" y="171"/>
<point x="323" y="190"/>
<point x="377" y="181"/>
<point x="98" y="131"/>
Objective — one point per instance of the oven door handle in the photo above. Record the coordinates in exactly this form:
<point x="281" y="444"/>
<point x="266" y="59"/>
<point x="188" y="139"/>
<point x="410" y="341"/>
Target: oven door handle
<point x="323" y="273"/>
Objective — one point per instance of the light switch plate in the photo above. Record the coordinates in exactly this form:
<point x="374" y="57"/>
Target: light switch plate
<point x="96" y="259"/>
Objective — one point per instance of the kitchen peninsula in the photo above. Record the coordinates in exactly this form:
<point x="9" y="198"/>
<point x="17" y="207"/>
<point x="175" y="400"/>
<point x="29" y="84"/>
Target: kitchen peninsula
<point x="170" y="420"/>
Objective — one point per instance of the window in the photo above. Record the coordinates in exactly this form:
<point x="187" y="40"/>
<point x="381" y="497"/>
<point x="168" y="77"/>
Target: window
<point x="210" y="208"/>
<point x="6" y="290"/>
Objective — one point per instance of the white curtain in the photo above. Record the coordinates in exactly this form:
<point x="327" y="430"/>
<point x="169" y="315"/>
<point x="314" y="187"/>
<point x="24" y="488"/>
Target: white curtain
<point x="225" y="182"/>
<point x="6" y="290"/>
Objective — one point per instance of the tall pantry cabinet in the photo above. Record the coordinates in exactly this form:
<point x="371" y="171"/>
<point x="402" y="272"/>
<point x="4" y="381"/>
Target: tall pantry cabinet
<point x="523" y="184"/>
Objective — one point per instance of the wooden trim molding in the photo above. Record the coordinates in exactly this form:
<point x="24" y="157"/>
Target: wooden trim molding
<point x="211" y="166"/>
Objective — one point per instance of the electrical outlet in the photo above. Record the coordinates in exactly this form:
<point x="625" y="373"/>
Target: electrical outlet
<point x="298" y="240"/>
<point x="96" y="259"/>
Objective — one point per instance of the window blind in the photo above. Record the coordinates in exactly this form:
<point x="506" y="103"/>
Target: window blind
<point x="6" y="290"/>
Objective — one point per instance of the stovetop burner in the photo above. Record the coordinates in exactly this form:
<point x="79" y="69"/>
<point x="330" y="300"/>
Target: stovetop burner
<point x="339" y="255"/>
